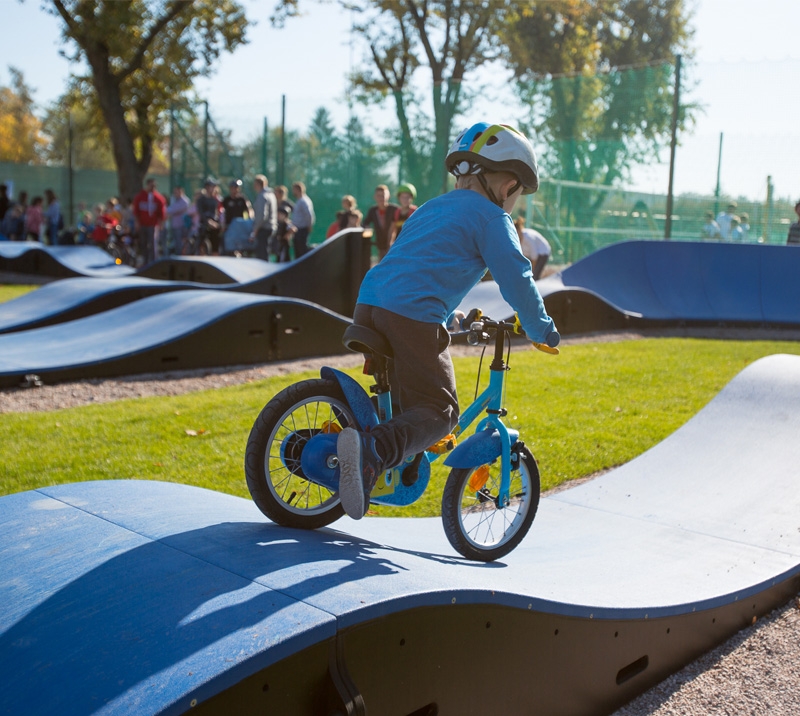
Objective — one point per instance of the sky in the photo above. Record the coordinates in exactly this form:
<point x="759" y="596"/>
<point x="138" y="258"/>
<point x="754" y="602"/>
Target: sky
<point x="746" y="74"/>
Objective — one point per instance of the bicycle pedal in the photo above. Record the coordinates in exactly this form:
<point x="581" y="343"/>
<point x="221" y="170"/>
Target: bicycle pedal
<point x="446" y="444"/>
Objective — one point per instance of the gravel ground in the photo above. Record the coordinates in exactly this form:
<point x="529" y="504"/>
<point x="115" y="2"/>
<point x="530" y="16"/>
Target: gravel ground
<point x="756" y="672"/>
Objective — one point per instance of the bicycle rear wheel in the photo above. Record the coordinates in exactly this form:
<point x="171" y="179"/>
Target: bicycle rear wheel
<point x="273" y="469"/>
<point x="476" y="526"/>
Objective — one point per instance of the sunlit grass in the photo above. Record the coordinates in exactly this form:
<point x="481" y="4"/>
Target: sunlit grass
<point x="593" y="407"/>
<point x="7" y="292"/>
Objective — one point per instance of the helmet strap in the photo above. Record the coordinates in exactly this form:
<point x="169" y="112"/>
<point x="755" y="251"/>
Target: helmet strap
<point x="489" y="192"/>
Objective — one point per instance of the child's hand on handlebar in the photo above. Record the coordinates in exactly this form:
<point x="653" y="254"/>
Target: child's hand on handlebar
<point x="456" y="322"/>
<point x="550" y="345"/>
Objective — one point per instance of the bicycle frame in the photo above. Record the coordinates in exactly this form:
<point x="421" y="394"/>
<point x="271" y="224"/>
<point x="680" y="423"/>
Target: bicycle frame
<point x="492" y="439"/>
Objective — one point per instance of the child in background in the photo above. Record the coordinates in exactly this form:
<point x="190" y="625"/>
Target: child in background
<point x="34" y="218"/>
<point x="406" y="194"/>
<point x="411" y="297"/>
<point x="283" y="235"/>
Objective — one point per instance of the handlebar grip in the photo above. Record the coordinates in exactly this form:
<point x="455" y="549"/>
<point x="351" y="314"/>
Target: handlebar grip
<point x="551" y="344"/>
<point x="546" y="349"/>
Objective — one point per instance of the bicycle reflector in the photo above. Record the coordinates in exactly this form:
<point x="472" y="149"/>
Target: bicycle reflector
<point x="478" y="479"/>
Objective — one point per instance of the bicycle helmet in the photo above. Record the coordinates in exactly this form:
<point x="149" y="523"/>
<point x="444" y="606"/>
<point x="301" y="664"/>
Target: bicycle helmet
<point x="407" y="188"/>
<point x="235" y="182"/>
<point x="494" y="147"/>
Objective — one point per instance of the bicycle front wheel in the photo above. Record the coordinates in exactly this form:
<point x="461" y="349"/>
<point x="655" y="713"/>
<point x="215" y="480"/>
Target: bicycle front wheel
<point x="475" y="524"/>
<point x="273" y="469"/>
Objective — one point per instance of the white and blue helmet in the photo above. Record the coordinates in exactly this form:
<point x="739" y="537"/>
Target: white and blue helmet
<point x="494" y="147"/>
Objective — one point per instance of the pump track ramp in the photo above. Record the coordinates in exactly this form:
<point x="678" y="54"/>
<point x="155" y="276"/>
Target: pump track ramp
<point x="180" y="330"/>
<point x="36" y="259"/>
<point x="144" y="597"/>
<point x="329" y="275"/>
<point x="653" y="284"/>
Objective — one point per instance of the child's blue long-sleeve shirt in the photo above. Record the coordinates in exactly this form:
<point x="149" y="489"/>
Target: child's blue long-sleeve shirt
<point x="443" y="251"/>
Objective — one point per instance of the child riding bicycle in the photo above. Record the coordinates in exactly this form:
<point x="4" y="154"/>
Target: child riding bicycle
<point x="411" y="296"/>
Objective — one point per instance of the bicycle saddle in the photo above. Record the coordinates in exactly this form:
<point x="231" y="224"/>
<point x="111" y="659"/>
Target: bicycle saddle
<point x="361" y="339"/>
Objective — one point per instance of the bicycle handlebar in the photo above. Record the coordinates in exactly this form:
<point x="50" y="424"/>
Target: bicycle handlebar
<point x="477" y="324"/>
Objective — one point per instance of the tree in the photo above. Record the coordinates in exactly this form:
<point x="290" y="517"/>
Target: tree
<point x="143" y="56"/>
<point x="448" y="37"/>
<point x="21" y="137"/>
<point x="71" y="125"/>
<point x="598" y="77"/>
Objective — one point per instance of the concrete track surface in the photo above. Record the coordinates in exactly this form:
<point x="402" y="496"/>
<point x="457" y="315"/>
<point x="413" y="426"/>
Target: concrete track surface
<point x="148" y="597"/>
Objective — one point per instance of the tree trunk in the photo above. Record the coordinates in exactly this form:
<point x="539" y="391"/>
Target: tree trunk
<point x="130" y="174"/>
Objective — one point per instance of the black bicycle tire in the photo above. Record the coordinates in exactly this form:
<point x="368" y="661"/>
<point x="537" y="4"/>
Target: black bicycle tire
<point x="258" y="442"/>
<point x="451" y="511"/>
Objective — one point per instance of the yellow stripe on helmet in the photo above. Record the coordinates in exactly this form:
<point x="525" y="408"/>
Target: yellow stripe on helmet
<point x="480" y="142"/>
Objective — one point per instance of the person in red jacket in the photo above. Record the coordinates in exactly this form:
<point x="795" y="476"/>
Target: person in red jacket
<point x="149" y="213"/>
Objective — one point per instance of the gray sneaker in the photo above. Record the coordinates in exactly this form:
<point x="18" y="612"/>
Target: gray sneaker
<point x="359" y="467"/>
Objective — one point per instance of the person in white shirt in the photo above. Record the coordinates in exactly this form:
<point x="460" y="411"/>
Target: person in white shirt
<point x="535" y="247"/>
<point x="724" y="220"/>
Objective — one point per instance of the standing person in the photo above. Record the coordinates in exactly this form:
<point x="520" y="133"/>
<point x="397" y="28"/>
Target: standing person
<point x="406" y="194"/>
<point x="281" y="194"/>
<point x="149" y="213"/>
<point x="344" y="218"/>
<point x="737" y="233"/>
<point x="208" y="209"/>
<point x="177" y="211"/>
<point x="302" y="217"/>
<point x="34" y="219"/>
<point x="265" y="216"/>
<point x="53" y="220"/>
<point x="534" y="246"/>
<point x="793" y="239"/>
<point x="710" y="229"/>
<point x="283" y="235"/>
<point x="724" y="219"/>
<point x="22" y="205"/>
<point x="5" y="201"/>
<point x="745" y="224"/>
<point x="412" y="295"/>
<point x="234" y="206"/>
<point x="381" y="217"/>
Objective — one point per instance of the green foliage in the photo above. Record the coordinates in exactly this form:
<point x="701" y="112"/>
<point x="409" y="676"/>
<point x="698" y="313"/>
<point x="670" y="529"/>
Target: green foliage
<point x="598" y="79"/>
<point x="449" y="39"/>
<point x="144" y="56"/>
<point x="90" y="139"/>
<point x="21" y="136"/>
<point x="329" y="161"/>
<point x="593" y="407"/>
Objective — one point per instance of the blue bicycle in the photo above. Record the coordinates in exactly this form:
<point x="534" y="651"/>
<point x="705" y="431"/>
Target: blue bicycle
<point x="491" y="494"/>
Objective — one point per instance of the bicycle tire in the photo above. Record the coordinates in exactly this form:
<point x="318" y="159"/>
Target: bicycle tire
<point x="475" y="526"/>
<point x="277" y="484"/>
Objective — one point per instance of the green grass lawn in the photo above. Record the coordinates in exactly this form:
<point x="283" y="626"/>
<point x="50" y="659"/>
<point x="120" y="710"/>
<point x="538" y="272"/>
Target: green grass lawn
<point x="7" y="292"/>
<point x="593" y="407"/>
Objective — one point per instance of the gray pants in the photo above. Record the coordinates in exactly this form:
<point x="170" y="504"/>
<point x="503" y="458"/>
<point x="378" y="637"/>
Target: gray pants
<point x="262" y="244"/>
<point x="422" y="378"/>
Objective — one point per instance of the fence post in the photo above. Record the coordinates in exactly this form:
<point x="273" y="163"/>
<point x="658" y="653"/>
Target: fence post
<point x="264" y="149"/>
<point x="673" y="143"/>
<point x="70" y="173"/>
<point x="719" y="174"/>
<point x="769" y="211"/>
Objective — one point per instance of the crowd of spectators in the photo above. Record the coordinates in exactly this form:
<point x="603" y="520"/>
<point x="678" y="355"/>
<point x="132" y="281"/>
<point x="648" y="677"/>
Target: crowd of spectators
<point x="36" y="220"/>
